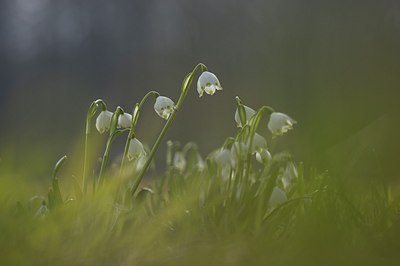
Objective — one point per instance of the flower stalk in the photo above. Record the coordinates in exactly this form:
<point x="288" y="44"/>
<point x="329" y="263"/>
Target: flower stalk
<point x="113" y="133"/>
<point x="184" y="91"/>
<point x="131" y="135"/>
<point x="89" y="116"/>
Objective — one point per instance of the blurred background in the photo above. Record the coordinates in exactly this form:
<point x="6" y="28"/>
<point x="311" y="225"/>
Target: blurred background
<point x="334" y="66"/>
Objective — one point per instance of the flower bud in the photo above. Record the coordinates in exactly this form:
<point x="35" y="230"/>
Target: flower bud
<point x="249" y="114"/>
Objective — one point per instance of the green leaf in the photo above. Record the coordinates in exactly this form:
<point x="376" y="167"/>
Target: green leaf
<point x="58" y="166"/>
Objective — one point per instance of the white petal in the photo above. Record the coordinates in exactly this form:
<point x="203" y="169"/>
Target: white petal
<point x="125" y="120"/>
<point x="200" y="89"/>
<point x="210" y="89"/>
<point x="249" y="114"/>
<point x="103" y="121"/>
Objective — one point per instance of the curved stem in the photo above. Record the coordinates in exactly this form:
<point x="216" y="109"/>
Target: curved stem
<point x="135" y="113"/>
<point x="185" y="86"/>
<point x="91" y="112"/>
<point x="111" y="137"/>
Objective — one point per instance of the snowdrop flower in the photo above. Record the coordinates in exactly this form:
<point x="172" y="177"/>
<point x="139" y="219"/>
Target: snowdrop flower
<point x="259" y="143"/>
<point x="289" y="175"/>
<point x="278" y="196"/>
<point x="164" y="106"/>
<point x="263" y="156"/>
<point x="136" y="150"/>
<point x="238" y="152"/>
<point x="140" y="163"/>
<point x="42" y="211"/>
<point x="200" y="163"/>
<point x="223" y="157"/>
<point x="103" y="121"/>
<point x="223" y="161"/>
<point x="249" y="114"/>
<point x="125" y="120"/>
<point x="280" y="123"/>
<point x="179" y="161"/>
<point x="208" y="83"/>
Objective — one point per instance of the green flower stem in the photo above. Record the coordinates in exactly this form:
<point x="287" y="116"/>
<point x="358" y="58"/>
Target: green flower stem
<point x="185" y="88"/>
<point x="131" y="135"/>
<point x="89" y="116"/>
<point x="110" y="140"/>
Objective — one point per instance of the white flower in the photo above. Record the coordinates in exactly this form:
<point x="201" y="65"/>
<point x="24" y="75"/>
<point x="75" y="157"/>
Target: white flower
<point x="200" y="163"/>
<point x="223" y="160"/>
<point x="103" y="121"/>
<point x="223" y="157"/>
<point x="290" y="175"/>
<point x="164" y="106"/>
<point x="263" y="156"/>
<point x="208" y="83"/>
<point x="136" y="150"/>
<point x="238" y="152"/>
<point x="125" y="120"/>
<point x="249" y="114"/>
<point x="278" y="196"/>
<point x="280" y="123"/>
<point x="259" y="143"/>
<point x="179" y="161"/>
<point x="140" y="163"/>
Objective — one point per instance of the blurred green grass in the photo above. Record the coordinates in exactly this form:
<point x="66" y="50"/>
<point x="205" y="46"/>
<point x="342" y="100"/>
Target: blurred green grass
<point x="188" y="222"/>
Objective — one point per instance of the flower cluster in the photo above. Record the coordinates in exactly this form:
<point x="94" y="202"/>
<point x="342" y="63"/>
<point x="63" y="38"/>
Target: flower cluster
<point x="163" y="106"/>
<point x="236" y="152"/>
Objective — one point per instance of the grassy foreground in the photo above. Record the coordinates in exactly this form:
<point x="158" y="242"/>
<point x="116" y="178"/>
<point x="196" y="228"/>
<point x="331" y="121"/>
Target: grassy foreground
<point x="196" y="217"/>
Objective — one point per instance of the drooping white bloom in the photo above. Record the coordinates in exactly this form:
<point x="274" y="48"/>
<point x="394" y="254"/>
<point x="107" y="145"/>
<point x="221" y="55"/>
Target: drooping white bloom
<point x="200" y="163"/>
<point x="164" y="106"/>
<point x="103" y="121"/>
<point x="259" y="143"/>
<point x="179" y="161"/>
<point x="208" y="83"/>
<point x="238" y="152"/>
<point x="289" y="176"/>
<point x="263" y="156"/>
<point x="42" y="211"/>
<point x="223" y="157"/>
<point x="249" y="114"/>
<point x="136" y="150"/>
<point x="140" y="163"/>
<point x="280" y="123"/>
<point x="223" y="160"/>
<point x="125" y="120"/>
<point x="278" y="196"/>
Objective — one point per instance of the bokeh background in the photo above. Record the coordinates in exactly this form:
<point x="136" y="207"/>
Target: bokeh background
<point x="334" y="66"/>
